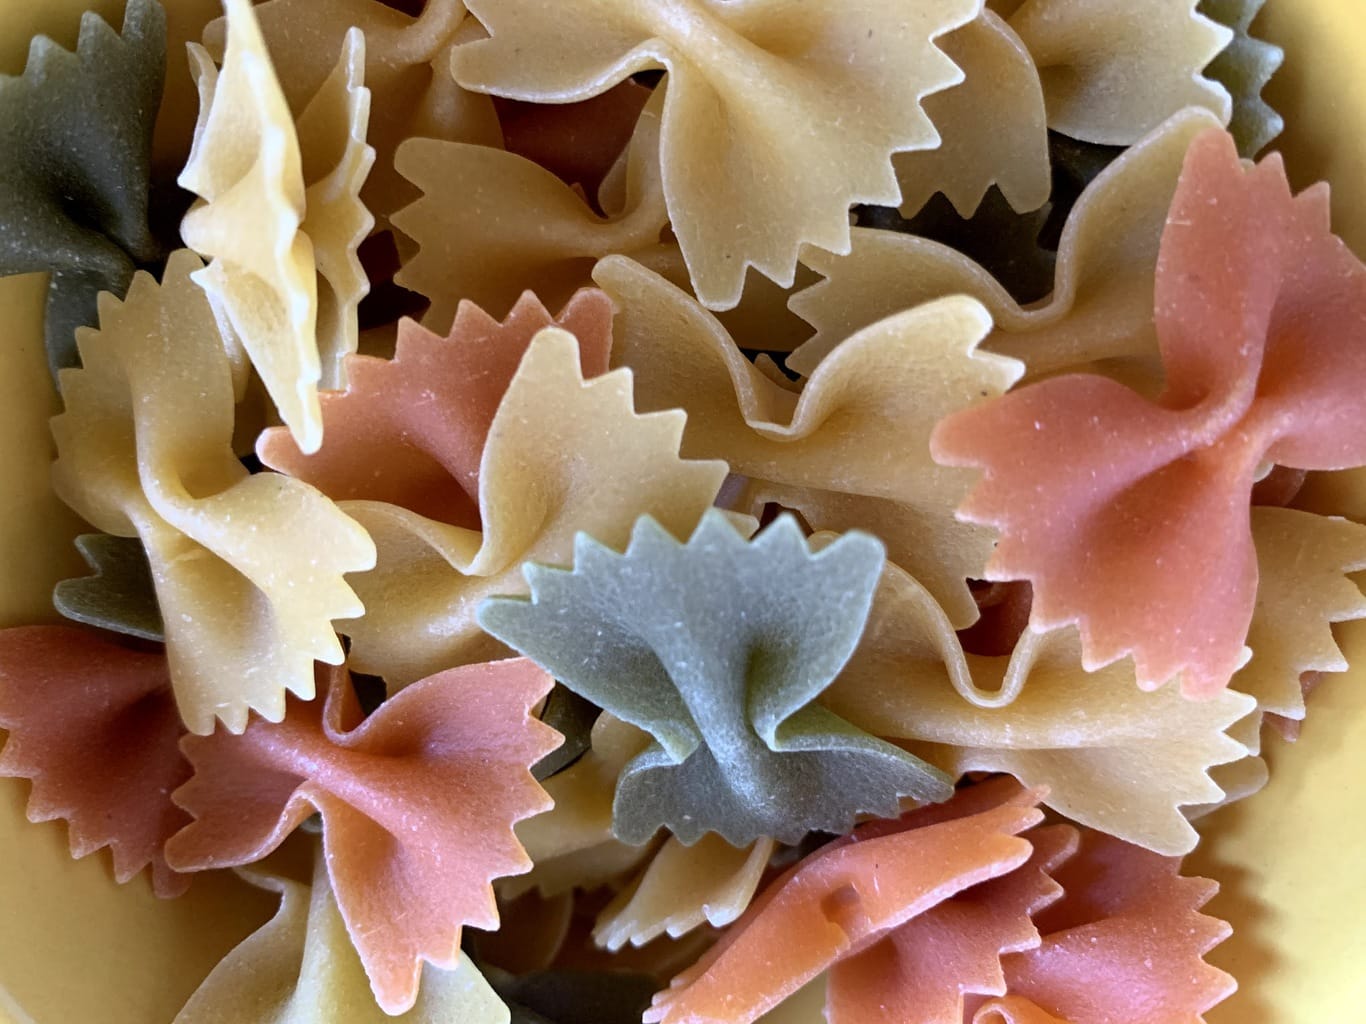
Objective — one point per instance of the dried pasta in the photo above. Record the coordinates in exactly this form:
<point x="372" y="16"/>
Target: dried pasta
<point x="248" y="568"/>
<point x="717" y="648"/>
<point x="852" y="450"/>
<point x="301" y="968"/>
<point x="1243" y="388"/>
<point x="761" y="65"/>
<point x="1111" y="73"/>
<point x="453" y="750"/>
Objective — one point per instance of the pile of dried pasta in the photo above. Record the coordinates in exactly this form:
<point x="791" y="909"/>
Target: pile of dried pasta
<point x="701" y="510"/>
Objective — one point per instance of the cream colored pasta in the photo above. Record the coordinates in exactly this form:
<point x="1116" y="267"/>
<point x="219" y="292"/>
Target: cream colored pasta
<point x="248" y="568"/>
<point x="1112" y="71"/>
<point x="743" y="188"/>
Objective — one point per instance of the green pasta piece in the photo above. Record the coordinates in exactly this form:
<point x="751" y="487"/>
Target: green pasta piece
<point x="718" y="648"/>
<point x="1243" y="68"/>
<point x="75" y="159"/>
<point x="121" y="596"/>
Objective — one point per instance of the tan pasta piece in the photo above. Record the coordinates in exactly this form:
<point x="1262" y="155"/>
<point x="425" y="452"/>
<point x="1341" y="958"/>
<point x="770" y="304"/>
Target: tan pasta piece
<point x="491" y="224"/>
<point x="1302" y="588"/>
<point x="1113" y="756"/>
<point x="245" y="165"/>
<point x="248" y="568"/>
<point x="1102" y="302"/>
<point x="1112" y="72"/>
<point x="571" y="845"/>
<point x="301" y="968"/>
<point x="743" y="188"/>
<point x="684" y="887"/>
<point x="407" y="67"/>
<point x="562" y="456"/>
<point x="336" y="161"/>
<point x="993" y="126"/>
<point x="852" y="450"/>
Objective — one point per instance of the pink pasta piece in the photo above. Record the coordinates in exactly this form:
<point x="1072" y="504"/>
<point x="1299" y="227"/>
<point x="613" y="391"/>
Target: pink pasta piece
<point x="93" y="724"/>
<point x="411" y="430"/>
<point x="845" y="907"/>
<point x="1130" y="516"/>
<point x="417" y="803"/>
<point x="1126" y="943"/>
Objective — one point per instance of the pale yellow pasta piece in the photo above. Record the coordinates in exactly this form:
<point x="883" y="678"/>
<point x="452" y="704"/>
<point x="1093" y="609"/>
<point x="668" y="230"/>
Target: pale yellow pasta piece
<point x="336" y="161"/>
<point x="993" y="126"/>
<point x="1102" y="302"/>
<point x="1113" y="70"/>
<point x="248" y="568"/>
<point x="1113" y="756"/>
<point x="301" y="968"/>
<point x="562" y="456"/>
<point x="1302" y="588"/>
<point x="572" y="845"/>
<point x="407" y="67"/>
<point x="684" y="887"/>
<point x="491" y="224"/>
<point x="1238" y="779"/>
<point x="759" y="150"/>
<point x="852" y="450"/>
<point x="246" y="169"/>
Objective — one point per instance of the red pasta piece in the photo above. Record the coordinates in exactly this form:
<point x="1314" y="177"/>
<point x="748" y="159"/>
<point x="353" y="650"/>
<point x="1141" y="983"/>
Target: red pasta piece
<point x="411" y="430"/>
<point x="844" y="909"/>
<point x="1126" y="943"/>
<point x="417" y="803"/>
<point x="93" y="724"/>
<point x="1129" y="516"/>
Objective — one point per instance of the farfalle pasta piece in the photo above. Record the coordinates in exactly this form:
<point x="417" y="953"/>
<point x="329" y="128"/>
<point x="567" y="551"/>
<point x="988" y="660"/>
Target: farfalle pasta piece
<point x="289" y="293"/>
<point x="1302" y="588"/>
<point x="407" y="69"/>
<point x="1126" y="942"/>
<point x="684" y="887"/>
<point x="717" y="648"/>
<point x="93" y="725"/>
<point x="843" y="908"/>
<point x="1102" y="302"/>
<point x="1257" y="311"/>
<point x="121" y="595"/>
<point x="301" y="968"/>
<point x="1110" y="755"/>
<point x="563" y="455"/>
<point x="75" y="159"/>
<point x="852" y="450"/>
<point x="336" y="162"/>
<point x="1112" y="73"/>
<point x="245" y="162"/>
<point x="1244" y="67"/>
<point x="992" y="126"/>
<point x="411" y="430"/>
<point x="417" y="803"/>
<point x="742" y="188"/>
<point x="492" y="224"/>
<point x="248" y="568"/>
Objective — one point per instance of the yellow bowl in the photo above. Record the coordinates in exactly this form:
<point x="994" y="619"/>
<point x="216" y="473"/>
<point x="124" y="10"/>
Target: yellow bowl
<point x="74" y="947"/>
